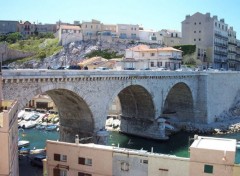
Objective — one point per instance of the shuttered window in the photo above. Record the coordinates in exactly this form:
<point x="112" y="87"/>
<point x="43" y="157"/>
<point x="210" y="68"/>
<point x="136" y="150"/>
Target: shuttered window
<point x="57" y="157"/>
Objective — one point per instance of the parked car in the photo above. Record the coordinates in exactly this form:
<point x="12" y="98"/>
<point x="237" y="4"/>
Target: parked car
<point x="37" y="160"/>
<point x="6" y="67"/>
<point x="102" y="68"/>
<point x="74" y="67"/>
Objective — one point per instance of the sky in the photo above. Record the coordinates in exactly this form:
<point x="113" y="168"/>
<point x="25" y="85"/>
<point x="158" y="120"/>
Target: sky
<point x="151" y="14"/>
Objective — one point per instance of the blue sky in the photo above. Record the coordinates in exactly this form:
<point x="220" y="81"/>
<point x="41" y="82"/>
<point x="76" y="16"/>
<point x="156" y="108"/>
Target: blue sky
<point x="152" y="14"/>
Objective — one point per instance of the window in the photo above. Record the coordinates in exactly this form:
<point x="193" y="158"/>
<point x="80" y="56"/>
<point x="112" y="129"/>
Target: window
<point x="195" y="23"/>
<point x="124" y="166"/>
<point x="199" y="39"/>
<point x="208" y="169"/>
<point x="194" y="31"/>
<point x="159" y="64"/>
<point x="200" y="31"/>
<point x="194" y="39"/>
<point x="144" y="161"/>
<point x="152" y="64"/>
<point x="59" y="172"/>
<point x="200" y="23"/>
<point x="152" y="54"/>
<point x="83" y="174"/>
<point x="85" y="161"/>
<point x="59" y="157"/>
<point x="143" y="54"/>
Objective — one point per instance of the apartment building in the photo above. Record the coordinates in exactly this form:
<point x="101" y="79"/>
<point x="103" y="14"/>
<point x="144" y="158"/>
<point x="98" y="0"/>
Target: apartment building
<point x="208" y="156"/>
<point x="144" y="57"/>
<point x="234" y="63"/>
<point x="127" y="31"/>
<point x="210" y="36"/>
<point x="8" y="138"/>
<point x="8" y="26"/>
<point x="90" y="29"/>
<point x="170" y="37"/>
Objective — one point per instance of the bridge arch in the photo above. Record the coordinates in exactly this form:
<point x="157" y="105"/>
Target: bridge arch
<point x="179" y="103"/>
<point x="75" y="114"/>
<point x="135" y="101"/>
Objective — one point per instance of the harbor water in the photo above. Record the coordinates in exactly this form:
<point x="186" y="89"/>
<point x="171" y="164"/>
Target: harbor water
<point x="178" y="144"/>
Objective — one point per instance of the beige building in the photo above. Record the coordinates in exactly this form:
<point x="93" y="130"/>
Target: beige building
<point x="170" y="37"/>
<point x="78" y="159"/>
<point x="8" y="138"/>
<point x="208" y="156"/>
<point x="144" y="57"/>
<point x="212" y="156"/>
<point x="90" y="29"/>
<point x="69" y="33"/>
<point x="210" y="36"/>
<point x="41" y="101"/>
<point x="128" y="31"/>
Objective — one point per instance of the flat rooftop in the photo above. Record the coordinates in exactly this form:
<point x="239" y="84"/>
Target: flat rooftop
<point x="212" y="143"/>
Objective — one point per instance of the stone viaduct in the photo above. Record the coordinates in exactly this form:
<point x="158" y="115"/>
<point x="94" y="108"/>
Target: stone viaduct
<point x="83" y="98"/>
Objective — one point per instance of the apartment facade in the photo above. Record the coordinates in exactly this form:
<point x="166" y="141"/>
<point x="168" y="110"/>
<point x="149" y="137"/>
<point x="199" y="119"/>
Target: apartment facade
<point x="206" y="158"/>
<point x="127" y="31"/>
<point x="210" y="35"/>
<point x="90" y="29"/>
<point x="9" y="139"/>
<point x="144" y="57"/>
<point x="234" y="62"/>
<point x="170" y="37"/>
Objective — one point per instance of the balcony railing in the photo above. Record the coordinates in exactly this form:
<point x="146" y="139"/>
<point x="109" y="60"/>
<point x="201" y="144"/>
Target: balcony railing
<point x="221" y="36"/>
<point x="221" y="44"/>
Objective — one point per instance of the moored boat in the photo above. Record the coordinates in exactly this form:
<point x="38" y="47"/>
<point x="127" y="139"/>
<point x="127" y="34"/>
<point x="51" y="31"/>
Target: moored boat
<point x="23" y="143"/>
<point x="50" y="127"/>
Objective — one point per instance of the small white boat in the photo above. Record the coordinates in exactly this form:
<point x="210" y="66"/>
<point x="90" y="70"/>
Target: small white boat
<point x="37" y="151"/>
<point x="21" y="114"/>
<point x="23" y="143"/>
<point x="51" y="127"/>
<point x="29" y="124"/>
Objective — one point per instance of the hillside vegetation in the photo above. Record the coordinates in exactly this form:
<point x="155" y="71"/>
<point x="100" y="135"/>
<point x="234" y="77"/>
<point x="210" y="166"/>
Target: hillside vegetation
<point x="107" y="54"/>
<point x="41" y="47"/>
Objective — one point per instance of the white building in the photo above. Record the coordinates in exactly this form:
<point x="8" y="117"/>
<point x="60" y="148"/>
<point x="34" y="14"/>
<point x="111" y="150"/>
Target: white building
<point x="150" y="36"/>
<point x="144" y="57"/>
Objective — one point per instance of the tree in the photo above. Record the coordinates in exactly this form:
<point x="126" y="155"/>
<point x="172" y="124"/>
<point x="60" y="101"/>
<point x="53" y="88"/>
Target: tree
<point x="13" y="37"/>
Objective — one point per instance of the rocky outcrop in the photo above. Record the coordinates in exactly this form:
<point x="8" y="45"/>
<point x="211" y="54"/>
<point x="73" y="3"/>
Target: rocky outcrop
<point x="75" y="52"/>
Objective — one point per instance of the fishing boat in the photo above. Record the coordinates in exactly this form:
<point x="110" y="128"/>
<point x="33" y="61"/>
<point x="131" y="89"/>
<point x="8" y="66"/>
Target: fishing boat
<point x="23" y="143"/>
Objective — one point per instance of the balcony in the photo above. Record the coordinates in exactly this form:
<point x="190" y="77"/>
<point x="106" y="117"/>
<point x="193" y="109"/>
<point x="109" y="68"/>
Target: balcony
<point x="221" y="36"/>
<point x="220" y="45"/>
<point x="231" y="43"/>
<point x="221" y="53"/>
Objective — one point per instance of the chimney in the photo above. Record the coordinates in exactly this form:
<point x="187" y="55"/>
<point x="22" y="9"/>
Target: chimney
<point x="76" y="139"/>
